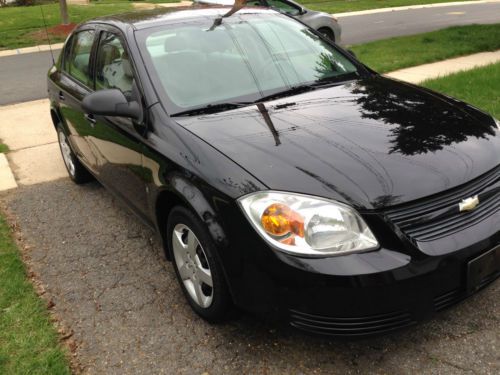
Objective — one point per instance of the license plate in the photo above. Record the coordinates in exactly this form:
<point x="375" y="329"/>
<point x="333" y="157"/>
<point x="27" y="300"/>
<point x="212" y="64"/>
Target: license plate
<point x="482" y="268"/>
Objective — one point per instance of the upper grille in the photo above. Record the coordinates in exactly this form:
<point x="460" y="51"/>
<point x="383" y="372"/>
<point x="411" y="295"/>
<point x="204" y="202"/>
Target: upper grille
<point x="439" y="216"/>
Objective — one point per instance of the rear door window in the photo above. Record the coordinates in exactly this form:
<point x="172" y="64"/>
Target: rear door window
<point x="77" y="64"/>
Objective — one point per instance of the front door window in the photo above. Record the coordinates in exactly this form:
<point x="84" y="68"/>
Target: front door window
<point x="113" y="68"/>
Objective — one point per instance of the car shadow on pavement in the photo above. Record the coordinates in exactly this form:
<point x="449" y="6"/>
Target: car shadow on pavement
<point x="107" y="279"/>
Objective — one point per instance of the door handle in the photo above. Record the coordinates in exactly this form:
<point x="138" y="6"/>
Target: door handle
<point x="61" y="95"/>
<point x="90" y="118"/>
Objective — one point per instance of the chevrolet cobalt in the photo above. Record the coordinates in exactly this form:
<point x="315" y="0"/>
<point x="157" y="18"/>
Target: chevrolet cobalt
<point x="283" y="176"/>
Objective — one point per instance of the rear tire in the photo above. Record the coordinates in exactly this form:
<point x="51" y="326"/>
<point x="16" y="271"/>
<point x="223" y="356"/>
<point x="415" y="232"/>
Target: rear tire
<point x="198" y="270"/>
<point x="328" y="33"/>
<point x="76" y="171"/>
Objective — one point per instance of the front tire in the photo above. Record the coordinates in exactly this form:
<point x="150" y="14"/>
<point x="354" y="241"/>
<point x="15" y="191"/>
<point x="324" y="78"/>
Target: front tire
<point x="197" y="268"/>
<point x="76" y="171"/>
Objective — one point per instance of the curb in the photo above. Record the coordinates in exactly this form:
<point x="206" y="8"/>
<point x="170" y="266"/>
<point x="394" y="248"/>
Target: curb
<point x="412" y="7"/>
<point x="40" y="48"/>
<point x="7" y="180"/>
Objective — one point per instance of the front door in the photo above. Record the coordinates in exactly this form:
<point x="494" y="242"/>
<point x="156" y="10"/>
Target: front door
<point x="115" y="141"/>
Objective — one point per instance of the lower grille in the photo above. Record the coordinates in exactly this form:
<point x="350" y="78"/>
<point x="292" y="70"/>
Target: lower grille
<point x="454" y="296"/>
<point x="448" y="299"/>
<point x="359" y="326"/>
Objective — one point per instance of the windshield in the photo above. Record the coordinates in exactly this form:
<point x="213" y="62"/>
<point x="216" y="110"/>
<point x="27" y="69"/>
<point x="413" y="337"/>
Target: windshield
<point x="247" y="57"/>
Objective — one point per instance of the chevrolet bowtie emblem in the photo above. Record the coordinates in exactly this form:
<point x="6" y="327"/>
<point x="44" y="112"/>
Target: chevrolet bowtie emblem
<point x="468" y="204"/>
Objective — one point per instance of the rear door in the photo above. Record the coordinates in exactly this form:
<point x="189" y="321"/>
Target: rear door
<point x="76" y="82"/>
<point x="116" y="142"/>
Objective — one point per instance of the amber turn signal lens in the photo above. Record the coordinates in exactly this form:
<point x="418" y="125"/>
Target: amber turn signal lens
<point x="279" y="220"/>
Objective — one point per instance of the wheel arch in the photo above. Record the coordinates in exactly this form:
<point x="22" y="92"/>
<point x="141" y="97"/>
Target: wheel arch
<point x="165" y="201"/>
<point x="180" y="191"/>
<point x="329" y="29"/>
<point x="55" y="116"/>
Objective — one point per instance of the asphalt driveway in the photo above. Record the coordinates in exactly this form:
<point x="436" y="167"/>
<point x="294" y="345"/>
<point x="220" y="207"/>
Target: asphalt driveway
<point x="106" y="277"/>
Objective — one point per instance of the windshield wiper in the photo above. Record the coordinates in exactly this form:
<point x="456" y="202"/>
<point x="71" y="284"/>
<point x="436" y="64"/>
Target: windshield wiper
<point x="212" y="108"/>
<point x="291" y="91"/>
<point x="337" y="79"/>
<point x="320" y="83"/>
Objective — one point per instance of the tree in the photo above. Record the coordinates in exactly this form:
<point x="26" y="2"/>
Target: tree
<point x="64" y="12"/>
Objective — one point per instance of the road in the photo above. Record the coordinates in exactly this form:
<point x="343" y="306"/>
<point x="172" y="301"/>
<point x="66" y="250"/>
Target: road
<point x="369" y="27"/>
<point x="23" y="76"/>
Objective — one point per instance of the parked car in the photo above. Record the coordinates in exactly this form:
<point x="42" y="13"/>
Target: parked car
<point x="323" y="22"/>
<point x="283" y="176"/>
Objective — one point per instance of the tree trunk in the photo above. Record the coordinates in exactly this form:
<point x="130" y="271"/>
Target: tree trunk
<point x="64" y="12"/>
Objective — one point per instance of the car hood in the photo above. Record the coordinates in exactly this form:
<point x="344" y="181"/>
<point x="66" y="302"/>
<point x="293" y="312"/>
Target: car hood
<point x="370" y="143"/>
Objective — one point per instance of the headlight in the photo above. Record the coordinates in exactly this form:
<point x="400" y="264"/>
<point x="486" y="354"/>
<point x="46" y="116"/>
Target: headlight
<point x="307" y="226"/>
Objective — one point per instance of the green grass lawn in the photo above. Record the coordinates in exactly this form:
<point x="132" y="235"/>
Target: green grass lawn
<point x="338" y="6"/>
<point x="20" y="26"/>
<point x="479" y="87"/>
<point x="391" y="54"/>
<point x="28" y="341"/>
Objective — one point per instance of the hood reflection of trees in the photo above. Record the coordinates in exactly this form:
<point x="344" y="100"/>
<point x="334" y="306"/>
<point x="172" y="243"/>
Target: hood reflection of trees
<point x="421" y="123"/>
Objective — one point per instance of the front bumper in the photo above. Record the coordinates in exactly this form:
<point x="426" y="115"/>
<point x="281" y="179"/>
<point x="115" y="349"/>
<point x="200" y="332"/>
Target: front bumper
<point x="356" y="295"/>
<point x="372" y="310"/>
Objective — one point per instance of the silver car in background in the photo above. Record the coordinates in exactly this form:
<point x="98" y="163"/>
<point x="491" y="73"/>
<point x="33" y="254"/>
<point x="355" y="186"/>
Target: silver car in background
<point x="323" y="22"/>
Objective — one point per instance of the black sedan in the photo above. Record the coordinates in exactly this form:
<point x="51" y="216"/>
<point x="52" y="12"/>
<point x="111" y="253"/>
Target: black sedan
<point x="283" y="176"/>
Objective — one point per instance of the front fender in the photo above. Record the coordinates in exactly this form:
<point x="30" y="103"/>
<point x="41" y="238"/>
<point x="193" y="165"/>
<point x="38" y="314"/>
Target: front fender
<point x="194" y="198"/>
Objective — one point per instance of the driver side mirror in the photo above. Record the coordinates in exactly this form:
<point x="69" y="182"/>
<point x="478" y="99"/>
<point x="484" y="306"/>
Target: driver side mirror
<point x="111" y="102"/>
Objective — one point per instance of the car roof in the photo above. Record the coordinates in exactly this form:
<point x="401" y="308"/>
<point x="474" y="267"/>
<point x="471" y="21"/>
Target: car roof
<point x="158" y="16"/>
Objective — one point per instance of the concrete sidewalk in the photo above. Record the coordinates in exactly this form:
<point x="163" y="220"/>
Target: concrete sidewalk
<point x="34" y="155"/>
<point x="40" y="48"/>
<point x="438" y="69"/>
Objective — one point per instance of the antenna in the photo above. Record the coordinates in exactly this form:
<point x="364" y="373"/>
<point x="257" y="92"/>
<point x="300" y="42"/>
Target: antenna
<point x="47" y="32"/>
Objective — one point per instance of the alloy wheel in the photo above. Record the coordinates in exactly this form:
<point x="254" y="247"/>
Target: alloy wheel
<point x="192" y="265"/>
<point x="66" y="153"/>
